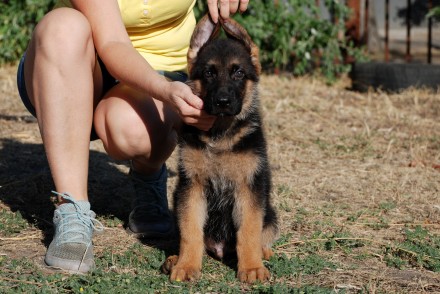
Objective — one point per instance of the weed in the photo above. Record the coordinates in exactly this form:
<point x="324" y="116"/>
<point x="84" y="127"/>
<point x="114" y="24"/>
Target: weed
<point x="387" y="206"/>
<point x="300" y="218"/>
<point x="381" y="224"/>
<point x="420" y="248"/>
<point x="283" y="266"/>
<point x="11" y="223"/>
<point x="354" y="144"/>
<point x="321" y="144"/>
<point x="111" y="222"/>
<point x="354" y="217"/>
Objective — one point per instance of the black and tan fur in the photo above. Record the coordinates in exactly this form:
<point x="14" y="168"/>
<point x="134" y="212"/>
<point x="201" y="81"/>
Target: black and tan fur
<point x="222" y="199"/>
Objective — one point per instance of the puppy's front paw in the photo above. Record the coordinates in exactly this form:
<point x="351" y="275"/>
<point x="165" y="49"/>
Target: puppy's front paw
<point x="169" y="263"/>
<point x="253" y="274"/>
<point x="179" y="272"/>
<point x="184" y="273"/>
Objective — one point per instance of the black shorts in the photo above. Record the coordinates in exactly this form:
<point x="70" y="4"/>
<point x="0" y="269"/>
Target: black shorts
<point x="108" y="81"/>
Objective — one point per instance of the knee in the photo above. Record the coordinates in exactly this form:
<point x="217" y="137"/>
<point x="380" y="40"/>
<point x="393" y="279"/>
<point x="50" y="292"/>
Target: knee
<point x="126" y="135"/>
<point x="66" y="30"/>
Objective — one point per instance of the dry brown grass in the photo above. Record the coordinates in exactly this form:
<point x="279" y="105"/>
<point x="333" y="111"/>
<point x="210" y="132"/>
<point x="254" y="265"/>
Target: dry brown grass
<point x="365" y="164"/>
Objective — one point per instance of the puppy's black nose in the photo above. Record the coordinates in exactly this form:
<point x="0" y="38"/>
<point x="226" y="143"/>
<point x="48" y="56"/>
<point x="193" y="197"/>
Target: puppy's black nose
<point x="223" y="102"/>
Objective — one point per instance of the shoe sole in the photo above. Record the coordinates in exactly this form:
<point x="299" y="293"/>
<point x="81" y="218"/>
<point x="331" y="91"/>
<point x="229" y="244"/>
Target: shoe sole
<point x="70" y="266"/>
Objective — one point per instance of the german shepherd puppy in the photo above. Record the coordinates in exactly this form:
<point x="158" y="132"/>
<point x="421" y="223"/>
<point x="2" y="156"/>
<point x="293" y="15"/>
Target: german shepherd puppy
<point x="222" y="198"/>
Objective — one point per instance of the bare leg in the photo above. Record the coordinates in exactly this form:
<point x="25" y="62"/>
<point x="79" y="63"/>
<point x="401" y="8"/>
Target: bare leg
<point x="59" y="73"/>
<point x="141" y="129"/>
<point x="136" y="127"/>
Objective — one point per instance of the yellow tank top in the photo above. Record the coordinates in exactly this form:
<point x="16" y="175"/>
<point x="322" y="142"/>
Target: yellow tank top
<point x="159" y="30"/>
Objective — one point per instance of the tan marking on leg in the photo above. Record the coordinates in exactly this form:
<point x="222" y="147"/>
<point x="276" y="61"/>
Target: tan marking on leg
<point x="191" y="217"/>
<point x="269" y="235"/>
<point x="250" y="222"/>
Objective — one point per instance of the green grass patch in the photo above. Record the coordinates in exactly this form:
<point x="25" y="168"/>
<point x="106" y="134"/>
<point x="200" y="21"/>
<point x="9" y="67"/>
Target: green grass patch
<point x="11" y="223"/>
<point x="419" y="249"/>
<point x="137" y="270"/>
<point x="329" y="241"/>
<point x="283" y="266"/>
<point x="346" y="145"/>
<point x="111" y="221"/>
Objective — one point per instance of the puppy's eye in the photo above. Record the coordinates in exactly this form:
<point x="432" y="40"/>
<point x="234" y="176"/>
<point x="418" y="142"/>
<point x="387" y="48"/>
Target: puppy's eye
<point x="238" y="75"/>
<point x="208" y="74"/>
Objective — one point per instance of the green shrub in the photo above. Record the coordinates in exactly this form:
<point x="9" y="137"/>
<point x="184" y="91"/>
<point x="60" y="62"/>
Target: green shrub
<point x="292" y="36"/>
<point x="434" y="13"/>
<point x="17" y="21"/>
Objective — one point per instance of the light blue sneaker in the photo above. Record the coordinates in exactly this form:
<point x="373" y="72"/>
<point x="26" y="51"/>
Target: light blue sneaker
<point x="71" y="248"/>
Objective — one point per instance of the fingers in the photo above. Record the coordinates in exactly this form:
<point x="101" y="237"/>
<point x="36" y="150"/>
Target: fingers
<point x="233" y="6"/>
<point x="226" y="8"/>
<point x="243" y="5"/>
<point x="203" y="122"/>
<point x="197" y="118"/>
<point x="194" y="101"/>
<point x="213" y="9"/>
<point x="189" y="107"/>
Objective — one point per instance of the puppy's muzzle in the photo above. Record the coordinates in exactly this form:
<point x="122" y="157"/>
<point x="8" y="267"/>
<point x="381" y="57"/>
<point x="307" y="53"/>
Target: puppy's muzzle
<point x="224" y="103"/>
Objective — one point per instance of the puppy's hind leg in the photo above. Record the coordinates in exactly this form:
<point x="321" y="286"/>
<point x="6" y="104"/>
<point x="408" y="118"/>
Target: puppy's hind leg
<point x="270" y="232"/>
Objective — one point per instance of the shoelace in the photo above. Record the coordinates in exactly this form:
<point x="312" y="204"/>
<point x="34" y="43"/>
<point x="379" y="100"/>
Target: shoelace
<point x="74" y="218"/>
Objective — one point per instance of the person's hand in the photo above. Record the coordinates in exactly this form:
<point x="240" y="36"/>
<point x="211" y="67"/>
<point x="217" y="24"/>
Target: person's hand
<point x="226" y="8"/>
<point x="189" y="106"/>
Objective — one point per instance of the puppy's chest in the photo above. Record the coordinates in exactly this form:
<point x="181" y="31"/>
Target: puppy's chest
<point x="209" y="163"/>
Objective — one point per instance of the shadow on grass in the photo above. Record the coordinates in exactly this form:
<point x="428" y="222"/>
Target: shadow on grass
<point x="26" y="185"/>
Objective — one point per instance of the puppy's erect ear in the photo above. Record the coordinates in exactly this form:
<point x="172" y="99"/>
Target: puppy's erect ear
<point x="235" y="31"/>
<point x="205" y="30"/>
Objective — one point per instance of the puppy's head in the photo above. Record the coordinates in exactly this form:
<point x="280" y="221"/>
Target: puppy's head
<point x="224" y="71"/>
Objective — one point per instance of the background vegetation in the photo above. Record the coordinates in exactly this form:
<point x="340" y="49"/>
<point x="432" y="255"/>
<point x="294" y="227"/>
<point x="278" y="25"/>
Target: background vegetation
<point x="17" y="21"/>
<point x="291" y="34"/>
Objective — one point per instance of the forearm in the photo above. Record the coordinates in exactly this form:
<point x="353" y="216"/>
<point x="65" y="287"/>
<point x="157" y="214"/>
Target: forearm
<point x="129" y="67"/>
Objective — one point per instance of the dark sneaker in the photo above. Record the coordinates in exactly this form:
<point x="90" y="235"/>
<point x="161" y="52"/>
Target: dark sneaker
<point x="71" y="248"/>
<point x="150" y="216"/>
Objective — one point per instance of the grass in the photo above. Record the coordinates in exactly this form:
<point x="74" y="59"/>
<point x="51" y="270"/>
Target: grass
<point x="420" y="248"/>
<point x="136" y="270"/>
<point x="11" y="223"/>
<point x="355" y="182"/>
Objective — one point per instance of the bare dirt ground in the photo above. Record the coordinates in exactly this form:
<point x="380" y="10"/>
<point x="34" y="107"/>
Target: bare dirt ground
<point x="366" y="164"/>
